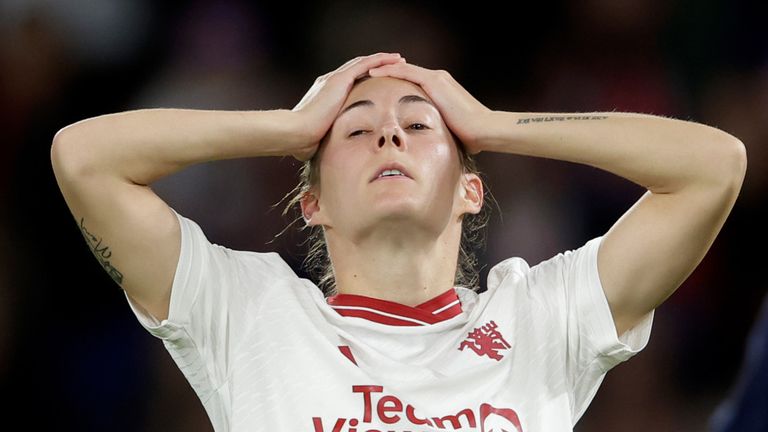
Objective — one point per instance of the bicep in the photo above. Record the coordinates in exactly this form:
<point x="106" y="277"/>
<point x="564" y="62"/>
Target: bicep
<point x="648" y="253"/>
<point x="133" y="233"/>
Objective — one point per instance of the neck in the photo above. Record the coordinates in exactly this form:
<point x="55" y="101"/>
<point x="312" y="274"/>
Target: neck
<point x="396" y="264"/>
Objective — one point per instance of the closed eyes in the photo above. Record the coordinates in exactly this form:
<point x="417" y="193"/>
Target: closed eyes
<point x="413" y="126"/>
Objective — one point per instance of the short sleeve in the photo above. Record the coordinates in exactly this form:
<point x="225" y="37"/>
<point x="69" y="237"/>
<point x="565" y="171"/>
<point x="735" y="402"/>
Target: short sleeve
<point x="571" y="284"/>
<point x="213" y="289"/>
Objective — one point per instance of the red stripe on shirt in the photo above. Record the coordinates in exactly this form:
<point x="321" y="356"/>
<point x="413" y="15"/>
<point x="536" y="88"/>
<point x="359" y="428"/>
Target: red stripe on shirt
<point x="423" y="312"/>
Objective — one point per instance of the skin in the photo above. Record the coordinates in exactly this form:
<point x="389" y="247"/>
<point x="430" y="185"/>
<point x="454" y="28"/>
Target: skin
<point x="408" y="232"/>
<point x="105" y="164"/>
<point x="692" y="172"/>
<point x="396" y="238"/>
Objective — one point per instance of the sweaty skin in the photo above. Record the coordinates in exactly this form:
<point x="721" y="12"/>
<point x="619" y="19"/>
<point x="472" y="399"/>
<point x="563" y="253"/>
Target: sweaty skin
<point x="394" y="238"/>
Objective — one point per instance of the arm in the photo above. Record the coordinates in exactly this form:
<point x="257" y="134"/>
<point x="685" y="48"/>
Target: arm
<point x="104" y="166"/>
<point x="693" y="174"/>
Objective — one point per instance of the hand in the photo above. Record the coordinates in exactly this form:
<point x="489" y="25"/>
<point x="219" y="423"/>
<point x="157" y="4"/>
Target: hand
<point x="464" y="115"/>
<point x="319" y="108"/>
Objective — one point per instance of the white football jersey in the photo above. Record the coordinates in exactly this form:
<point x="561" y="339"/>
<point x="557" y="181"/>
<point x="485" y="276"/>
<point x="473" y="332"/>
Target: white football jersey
<point x="265" y="351"/>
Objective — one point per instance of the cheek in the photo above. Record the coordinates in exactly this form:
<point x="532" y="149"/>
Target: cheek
<point x="340" y="154"/>
<point x="339" y="173"/>
<point x="447" y="154"/>
<point x="441" y="168"/>
<point x="443" y="160"/>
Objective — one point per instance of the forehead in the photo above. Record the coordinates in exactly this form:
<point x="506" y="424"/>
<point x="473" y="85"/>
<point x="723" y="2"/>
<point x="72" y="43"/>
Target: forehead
<point x="382" y="89"/>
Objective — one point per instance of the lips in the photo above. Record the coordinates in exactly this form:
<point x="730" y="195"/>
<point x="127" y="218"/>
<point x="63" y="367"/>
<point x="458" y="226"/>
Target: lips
<point x="390" y="166"/>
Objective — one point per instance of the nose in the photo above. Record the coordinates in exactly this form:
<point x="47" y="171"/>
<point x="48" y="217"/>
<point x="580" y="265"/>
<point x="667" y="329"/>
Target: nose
<point x="391" y="134"/>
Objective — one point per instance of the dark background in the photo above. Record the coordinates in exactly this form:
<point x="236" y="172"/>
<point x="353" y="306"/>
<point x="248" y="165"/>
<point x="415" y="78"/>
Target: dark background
<point x="72" y="355"/>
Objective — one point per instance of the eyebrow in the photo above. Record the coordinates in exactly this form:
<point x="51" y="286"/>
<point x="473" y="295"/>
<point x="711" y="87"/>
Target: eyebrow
<point x="366" y="102"/>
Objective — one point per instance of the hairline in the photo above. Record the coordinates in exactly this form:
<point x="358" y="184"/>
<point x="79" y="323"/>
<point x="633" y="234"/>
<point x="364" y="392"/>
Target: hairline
<point x="411" y="98"/>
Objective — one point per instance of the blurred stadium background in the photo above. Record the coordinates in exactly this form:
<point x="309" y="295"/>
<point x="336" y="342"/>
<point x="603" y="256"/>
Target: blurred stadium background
<point x="73" y="357"/>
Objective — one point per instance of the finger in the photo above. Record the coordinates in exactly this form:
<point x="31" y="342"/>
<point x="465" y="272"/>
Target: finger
<point x="364" y="71"/>
<point x="373" y="59"/>
<point x="415" y="74"/>
<point x="361" y="67"/>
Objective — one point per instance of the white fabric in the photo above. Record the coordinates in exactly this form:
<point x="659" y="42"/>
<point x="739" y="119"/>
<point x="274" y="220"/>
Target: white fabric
<point x="260" y="347"/>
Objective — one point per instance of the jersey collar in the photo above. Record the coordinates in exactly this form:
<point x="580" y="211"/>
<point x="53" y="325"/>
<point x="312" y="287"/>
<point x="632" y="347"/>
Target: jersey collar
<point x="440" y="308"/>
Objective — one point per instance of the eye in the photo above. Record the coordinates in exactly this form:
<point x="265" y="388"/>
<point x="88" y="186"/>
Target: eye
<point x="418" y="126"/>
<point x="358" y="132"/>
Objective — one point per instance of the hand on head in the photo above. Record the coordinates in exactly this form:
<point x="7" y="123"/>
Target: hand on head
<point x="319" y="107"/>
<point x="464" y="115"/>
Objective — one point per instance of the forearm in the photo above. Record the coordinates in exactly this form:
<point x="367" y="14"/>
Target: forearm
<point x="661" y="154"/>
<point x="145" y="145"/>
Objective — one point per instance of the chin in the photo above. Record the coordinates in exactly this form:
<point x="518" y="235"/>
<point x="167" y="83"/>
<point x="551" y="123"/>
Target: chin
<point x="403" y="219"/>
<point x="402" y="216"/>
<point x="396" y="207"/>
<point x="395" y="215"/>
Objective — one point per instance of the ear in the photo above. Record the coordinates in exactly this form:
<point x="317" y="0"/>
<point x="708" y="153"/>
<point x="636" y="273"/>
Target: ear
<point x="471" y="193"/>
<point x="310" y="208"/>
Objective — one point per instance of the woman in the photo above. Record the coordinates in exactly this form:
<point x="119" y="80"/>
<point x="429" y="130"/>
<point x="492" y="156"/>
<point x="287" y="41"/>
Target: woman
<point x="399" y="346"/>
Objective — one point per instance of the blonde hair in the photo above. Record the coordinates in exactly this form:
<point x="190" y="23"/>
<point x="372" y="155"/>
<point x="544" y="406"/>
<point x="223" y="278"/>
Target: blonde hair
<point x="318" y="262"/>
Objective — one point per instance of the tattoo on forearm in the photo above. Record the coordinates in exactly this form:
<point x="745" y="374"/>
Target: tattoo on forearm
<point x="101" y="252"/>
<point x="543" y="119"/>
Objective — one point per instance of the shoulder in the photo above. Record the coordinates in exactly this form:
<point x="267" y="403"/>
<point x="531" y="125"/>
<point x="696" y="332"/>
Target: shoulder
<point x="258" y="264"/>
<point x="271" y="262"/>
<point x="554" y="270"/>
<point x="507" y="271"/>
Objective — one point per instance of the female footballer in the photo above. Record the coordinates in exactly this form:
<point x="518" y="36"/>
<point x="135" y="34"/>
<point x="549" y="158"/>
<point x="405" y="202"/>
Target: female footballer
<point x="400" y="339"/>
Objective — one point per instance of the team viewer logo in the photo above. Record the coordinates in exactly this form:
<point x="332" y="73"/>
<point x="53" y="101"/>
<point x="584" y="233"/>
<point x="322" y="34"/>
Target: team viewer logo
<point x="382" y="412"/>
<point x="486" y="340"/>
<point x="498" y="419"/>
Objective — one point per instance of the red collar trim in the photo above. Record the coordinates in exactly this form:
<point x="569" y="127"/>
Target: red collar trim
<point x="444" y="306"/>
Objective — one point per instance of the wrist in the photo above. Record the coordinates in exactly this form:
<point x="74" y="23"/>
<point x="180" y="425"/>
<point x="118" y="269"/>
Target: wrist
<point x="496" y="129"/>
<point x="303" y="128"/>
<point x="286" y="130"/>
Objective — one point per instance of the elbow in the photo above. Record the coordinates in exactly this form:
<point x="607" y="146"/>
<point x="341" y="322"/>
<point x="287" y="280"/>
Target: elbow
<point x="65" y="137"/>
<point x="741" y="151"/>
<point x="61" y="152"/>
<point x="57" y="143"/>
<point x="68" y="157"/>
<point x="738" y="161"/>
<point x="731" y="164"/>
<point x="58" y="153"/>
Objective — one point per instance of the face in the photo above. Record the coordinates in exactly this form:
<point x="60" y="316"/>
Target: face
<point x="385" y="123"/>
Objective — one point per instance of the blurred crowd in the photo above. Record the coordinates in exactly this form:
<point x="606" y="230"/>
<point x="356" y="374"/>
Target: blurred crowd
<point x="72" y="355"/>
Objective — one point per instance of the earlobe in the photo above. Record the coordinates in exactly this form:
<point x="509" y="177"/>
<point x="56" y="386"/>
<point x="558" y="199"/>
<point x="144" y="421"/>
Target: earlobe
<point x="473" y="192"/>
<point x="309" y="206"/>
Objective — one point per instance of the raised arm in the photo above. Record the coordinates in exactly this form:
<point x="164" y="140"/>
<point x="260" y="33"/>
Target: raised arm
<point x="104" y="166"/>
<point x="693" y="174"/>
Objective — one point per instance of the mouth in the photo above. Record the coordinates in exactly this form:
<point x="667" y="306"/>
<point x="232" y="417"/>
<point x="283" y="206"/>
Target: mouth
<point x="391" y="171"/>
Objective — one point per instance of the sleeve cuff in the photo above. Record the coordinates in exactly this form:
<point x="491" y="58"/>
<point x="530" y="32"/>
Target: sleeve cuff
<point x="611" y="348"/>
<point x="161" y="329"/>
<point x="183" y="292"/>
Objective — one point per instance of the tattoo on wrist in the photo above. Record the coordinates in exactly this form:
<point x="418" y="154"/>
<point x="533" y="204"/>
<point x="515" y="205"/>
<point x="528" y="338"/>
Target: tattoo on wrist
<point x="101" y="252"/>
<point x="543" y="119"/>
